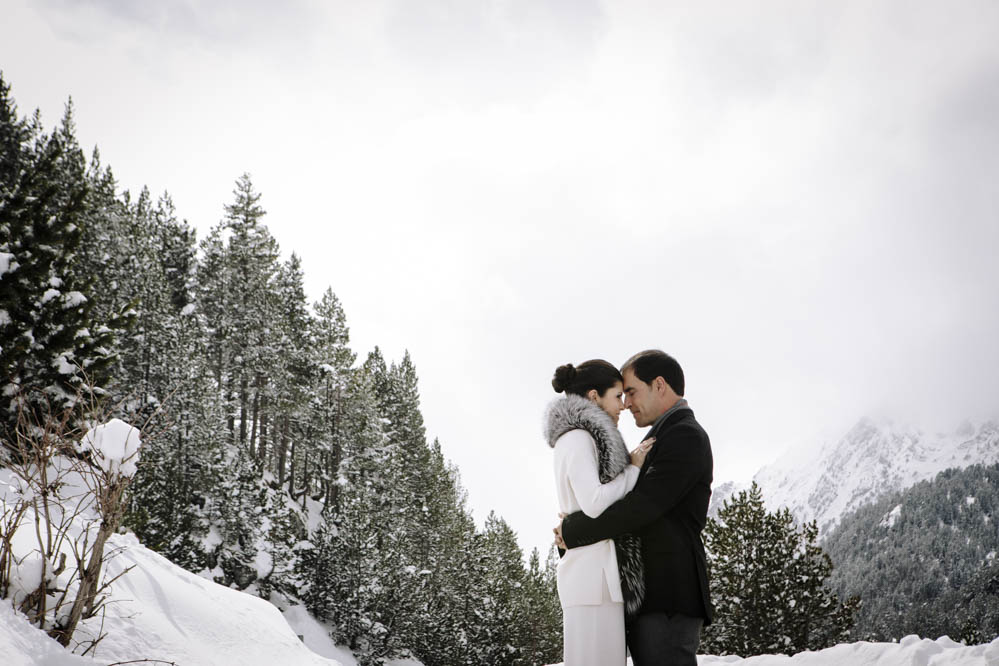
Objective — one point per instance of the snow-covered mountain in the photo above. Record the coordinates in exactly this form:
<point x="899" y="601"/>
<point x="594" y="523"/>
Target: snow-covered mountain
<point x="873" y="458"/>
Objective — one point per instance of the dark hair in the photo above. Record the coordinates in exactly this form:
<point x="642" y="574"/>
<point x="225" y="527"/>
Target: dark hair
<point x="596" y="374"/>
<point x="652" y="363"/>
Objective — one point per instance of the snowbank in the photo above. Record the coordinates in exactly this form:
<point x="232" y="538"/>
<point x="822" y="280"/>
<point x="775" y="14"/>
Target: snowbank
<point x="910" y="651"/>
<point x="164" y="612"/>
<point x="161" y="611"/>
<point x="21" y="644"/>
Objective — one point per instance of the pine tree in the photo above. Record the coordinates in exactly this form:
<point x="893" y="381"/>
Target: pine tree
<point x="52" y="351"/>
<point x="331" y="361"/>
<point x="501" y="634"/>
<point x="291" y="383"/>
<point x="544" y="612"/>
<point x="235" y="290"/>
<point x="768" y="583"/>
<point x="181" y="470"/>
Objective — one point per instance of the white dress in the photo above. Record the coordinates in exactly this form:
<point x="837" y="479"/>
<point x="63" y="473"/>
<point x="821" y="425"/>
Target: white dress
<point x="589" y="586"/>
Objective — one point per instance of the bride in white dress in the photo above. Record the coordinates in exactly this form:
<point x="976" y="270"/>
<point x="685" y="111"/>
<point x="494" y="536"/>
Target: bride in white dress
<point x="593" y="469"/>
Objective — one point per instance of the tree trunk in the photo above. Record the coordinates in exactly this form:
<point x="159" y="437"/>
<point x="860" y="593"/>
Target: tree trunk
<point x="336" y="454"/>
<point x="282" y="451"/>
<point x="291" y="470"/>
<point x="243" y="390"/>
<point x="263" y="422"/>
<point x="305" y="478"/>
<point x="255" y="418"/>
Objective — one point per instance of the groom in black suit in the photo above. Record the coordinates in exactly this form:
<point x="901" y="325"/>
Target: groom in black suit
<point x="667" y="509"/>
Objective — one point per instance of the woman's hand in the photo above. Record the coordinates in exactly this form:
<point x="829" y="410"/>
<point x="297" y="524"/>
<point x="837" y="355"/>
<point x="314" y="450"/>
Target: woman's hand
<point x="640" y="451"/>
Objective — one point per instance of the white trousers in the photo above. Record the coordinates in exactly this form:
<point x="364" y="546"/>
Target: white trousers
<point x="594" y="635"/>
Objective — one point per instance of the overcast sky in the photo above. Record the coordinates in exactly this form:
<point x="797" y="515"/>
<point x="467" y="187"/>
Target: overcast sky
<point x="796" y="199"/>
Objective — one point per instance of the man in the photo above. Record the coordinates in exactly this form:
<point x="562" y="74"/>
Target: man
<point x="667" y="509"/>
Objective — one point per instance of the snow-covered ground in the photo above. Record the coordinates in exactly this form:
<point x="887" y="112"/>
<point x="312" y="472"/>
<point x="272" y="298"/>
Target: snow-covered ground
<point x="910" y="651"/>
<point x="163" y="612"/>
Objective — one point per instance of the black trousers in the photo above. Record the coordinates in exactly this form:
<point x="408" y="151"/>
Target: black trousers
<point x="657" y="639"/>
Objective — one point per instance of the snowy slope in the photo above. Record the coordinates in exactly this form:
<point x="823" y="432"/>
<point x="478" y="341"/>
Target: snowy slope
<point x="871" y="459"/>
<point x="162" y="612"/>
<point x="170" y="614"/>
<point x="21" y="644"/>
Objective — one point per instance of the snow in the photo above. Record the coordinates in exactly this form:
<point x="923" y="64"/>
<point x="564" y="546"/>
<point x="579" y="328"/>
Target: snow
<point x="7" y="263"/>
<point x="910" y="651"/>
<point x="892" y="517"/>
<point x="263" y="563"/>
<point x="188" y="309"/>
<point x="21" y="644"/>
<point x="316" y="636"/>
<point x="115" y="445"/>
<point x="4" y="317"/>
<point x="73" y="299"/>
<point x="170" y="614"/>
<point x="969" y="500"/>
<point x="63" y="366"/>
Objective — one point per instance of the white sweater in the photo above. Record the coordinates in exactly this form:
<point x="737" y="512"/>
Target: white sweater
<point x="582" y="571"/>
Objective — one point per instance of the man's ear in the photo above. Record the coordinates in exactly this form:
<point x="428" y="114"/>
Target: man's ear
<point x="660" y="385"/>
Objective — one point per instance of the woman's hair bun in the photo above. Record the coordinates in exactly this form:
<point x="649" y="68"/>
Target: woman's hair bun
<point x="564" y="376"/>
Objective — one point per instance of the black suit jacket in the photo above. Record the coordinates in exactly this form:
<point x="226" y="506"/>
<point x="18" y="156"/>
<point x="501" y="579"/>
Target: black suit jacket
<point x="667" y="509"/>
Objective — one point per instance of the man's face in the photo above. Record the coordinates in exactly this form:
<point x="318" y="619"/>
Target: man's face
<point x="645" y="403"/>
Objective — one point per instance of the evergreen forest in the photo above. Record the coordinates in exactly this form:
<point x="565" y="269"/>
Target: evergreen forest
<point x="276" y="460"/>
<point x="923" y="560"/>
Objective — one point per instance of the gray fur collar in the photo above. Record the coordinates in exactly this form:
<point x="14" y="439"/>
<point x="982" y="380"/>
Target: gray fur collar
<point x="573" y="412"/>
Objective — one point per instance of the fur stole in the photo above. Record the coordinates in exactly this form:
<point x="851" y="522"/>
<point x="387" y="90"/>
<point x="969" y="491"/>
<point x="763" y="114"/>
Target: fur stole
<point x="573" y="412"/>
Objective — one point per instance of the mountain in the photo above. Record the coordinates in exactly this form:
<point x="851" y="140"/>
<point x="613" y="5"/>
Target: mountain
<point x="872" y="459"/>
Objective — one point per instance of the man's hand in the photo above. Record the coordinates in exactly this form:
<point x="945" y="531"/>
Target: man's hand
<point x="558" y="532"/>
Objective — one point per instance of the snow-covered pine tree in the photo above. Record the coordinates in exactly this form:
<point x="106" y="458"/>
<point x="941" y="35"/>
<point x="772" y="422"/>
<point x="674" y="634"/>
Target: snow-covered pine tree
<point x="331" y="360"/>
<point x="52" y="352"/>
<point x="284" y="400"/>
<point x="768" y="583"/>
<point x="253" y="266"/>
<point x="359" y="590"/>
<point x="502" y="633"/>
<point x="439" y="632"/>
<point x="181" y="462"/>
<point x="544" y="612"/>
<point x="236" y="294"/>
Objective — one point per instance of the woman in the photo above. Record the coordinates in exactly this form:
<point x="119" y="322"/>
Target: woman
<point x="597" y="584"/>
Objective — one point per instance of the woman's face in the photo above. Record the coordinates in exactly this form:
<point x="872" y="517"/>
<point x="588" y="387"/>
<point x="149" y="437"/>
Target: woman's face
<point x="611" y="401"/>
